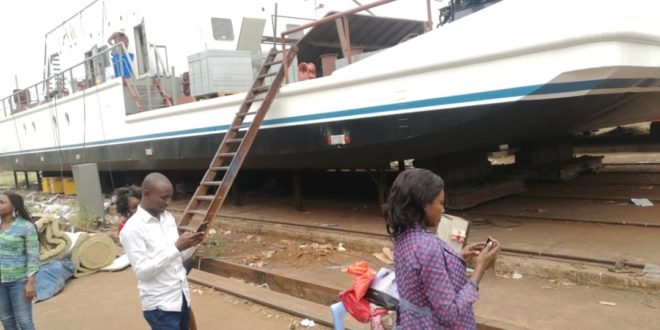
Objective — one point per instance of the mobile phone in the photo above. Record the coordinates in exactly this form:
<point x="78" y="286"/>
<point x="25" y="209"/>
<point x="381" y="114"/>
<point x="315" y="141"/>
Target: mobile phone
<point x="202" y="227"/>
<point x="491" y="242"/>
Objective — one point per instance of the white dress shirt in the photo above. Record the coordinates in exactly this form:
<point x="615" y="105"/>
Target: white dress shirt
<point x="157" y="263"/>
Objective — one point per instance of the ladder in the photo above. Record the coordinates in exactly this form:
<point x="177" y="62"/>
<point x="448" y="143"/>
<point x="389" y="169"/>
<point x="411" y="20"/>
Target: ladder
<point x="235" y="145"/>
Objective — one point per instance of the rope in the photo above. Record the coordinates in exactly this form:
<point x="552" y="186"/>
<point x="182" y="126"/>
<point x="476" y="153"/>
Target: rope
<point x="107" y="162"/>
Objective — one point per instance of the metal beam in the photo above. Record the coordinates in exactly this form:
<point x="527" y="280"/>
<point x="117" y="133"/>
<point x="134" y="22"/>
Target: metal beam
<point x="341" y="32"/>
<point x="326" y="44"/>
<point x="336" y="16"/>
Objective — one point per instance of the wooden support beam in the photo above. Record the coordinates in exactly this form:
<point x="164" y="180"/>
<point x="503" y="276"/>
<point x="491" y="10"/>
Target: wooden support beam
<point x="297" y="191"/>
<point x="27" y="180"/>
<point x="381" y="183"/>
<point x="236" y="193"/>
<point x="39" y="182"/>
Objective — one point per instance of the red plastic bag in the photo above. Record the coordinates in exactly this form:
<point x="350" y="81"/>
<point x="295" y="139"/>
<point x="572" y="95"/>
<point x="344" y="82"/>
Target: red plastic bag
<point x="363" y="277"/>
<point x="358" y="308"/>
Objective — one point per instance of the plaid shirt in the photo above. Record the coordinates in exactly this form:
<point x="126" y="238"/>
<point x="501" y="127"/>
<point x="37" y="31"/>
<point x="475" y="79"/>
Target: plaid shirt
<point x="19" y="251"/>
<point x="429" y="273"/>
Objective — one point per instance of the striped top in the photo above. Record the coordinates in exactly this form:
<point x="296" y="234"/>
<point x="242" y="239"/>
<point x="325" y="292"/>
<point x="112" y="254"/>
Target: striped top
<point x="19" y="251"/>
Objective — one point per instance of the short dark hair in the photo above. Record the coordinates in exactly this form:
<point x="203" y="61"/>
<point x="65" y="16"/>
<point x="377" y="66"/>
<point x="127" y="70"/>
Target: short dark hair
<point x="123" y="195"/>
<point x="412" y="190"/>
<point x="154" y="178"/>
<point x="17" y="201"/>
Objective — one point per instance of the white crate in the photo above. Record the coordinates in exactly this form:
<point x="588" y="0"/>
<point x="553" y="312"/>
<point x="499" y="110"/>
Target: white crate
<point x="213" y="71"/>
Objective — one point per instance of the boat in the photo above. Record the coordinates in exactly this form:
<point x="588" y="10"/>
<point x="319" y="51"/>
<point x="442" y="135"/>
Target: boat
<point x="513" y="73"/>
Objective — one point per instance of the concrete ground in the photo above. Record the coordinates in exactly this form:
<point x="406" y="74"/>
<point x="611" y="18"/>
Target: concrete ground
<point x="110" y="301"/>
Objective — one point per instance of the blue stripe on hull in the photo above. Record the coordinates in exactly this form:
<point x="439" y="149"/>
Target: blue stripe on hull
<point x="532" y="90"/>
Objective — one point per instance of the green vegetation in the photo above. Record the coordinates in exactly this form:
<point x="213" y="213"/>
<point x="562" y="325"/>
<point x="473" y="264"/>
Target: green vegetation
<point x="7" y="180"/>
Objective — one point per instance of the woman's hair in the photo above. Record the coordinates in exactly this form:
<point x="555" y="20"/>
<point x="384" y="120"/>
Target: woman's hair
<point x="412" y="190"/>
<point x="17" y="201"/>
<point x="123" y="195"/>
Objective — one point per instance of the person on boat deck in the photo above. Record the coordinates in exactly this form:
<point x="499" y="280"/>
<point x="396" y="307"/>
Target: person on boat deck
<point x="19" y="262"/>
<point x="128" y="199"/>
<point x="430" y="276"/>
<point x="156" y="252"/>
<point x="118" y="37"/>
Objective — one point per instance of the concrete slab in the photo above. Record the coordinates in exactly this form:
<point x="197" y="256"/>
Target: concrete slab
<point x="612" y="192"/>
<point x="302" y="308"/>
<point x="567" y="209"/>
<point x="541" y="304"/>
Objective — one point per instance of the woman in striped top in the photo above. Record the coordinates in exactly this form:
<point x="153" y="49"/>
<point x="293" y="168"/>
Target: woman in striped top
<point x="434" y="292"/>
<point x="19" y="261"/>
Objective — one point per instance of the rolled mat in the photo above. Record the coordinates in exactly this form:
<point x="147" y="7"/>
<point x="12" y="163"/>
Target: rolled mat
<point x="53" y="243"/>
<point x="93" y="252"/>
<point x="120" y="263"/>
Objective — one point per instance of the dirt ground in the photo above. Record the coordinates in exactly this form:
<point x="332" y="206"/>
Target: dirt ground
<point x="110" y="301"/>
<point x="525" y="302"/>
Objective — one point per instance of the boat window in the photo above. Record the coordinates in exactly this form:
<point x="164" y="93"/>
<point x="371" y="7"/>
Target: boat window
<point x="66" y="117"/>
<point x="34" y="127"/>
<point x="222" y="28"/>
<point x="24" y="128"/>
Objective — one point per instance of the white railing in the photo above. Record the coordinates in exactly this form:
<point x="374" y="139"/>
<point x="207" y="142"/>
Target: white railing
<point x="56" y="86"/>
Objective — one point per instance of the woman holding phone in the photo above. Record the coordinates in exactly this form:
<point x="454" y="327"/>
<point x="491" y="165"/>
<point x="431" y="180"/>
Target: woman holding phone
<point x="430" y="276"/>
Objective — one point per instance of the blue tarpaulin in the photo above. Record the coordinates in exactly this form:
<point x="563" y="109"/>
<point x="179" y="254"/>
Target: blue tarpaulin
<point x="52" y="276"/>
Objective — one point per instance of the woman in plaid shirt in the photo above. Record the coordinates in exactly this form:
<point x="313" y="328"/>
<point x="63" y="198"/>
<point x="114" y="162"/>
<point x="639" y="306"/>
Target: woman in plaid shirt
<point x="19" y="261"/>
<point x="433" y="289"/>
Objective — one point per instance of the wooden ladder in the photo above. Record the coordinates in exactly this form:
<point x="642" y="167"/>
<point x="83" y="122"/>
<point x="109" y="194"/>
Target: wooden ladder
<point x="233" y="149"/>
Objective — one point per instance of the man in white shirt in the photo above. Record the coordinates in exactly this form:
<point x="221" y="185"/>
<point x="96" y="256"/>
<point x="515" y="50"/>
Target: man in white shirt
<point x="156" y="252"/>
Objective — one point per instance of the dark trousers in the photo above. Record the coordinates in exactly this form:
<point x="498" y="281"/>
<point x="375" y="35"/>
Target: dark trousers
<point x="162" y="320"/>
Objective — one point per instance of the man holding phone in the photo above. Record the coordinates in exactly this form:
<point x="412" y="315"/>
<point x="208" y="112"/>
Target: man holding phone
<point x="156" y="252"/>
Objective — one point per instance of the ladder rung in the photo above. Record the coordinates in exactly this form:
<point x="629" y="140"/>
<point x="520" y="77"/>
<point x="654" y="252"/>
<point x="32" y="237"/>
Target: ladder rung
<point x="205" y="198"/>
<point x="227" y="154"/>
<point x="256" y="99"/>
<point x="273" y="63"/>
<point x="197" y="212"/>
<point x="219" y="168"/>
<point x="233" y="140"/>
<point x="236" y="128"/>
<point x="212" y="183"/>
<point x="245" y="114"/>
<point x="267" y="75"/>
<point x="261" y="89"/>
